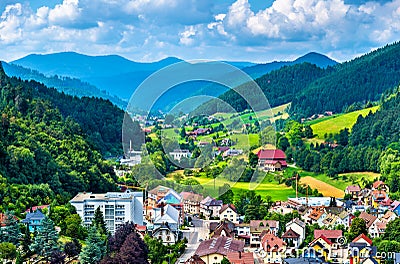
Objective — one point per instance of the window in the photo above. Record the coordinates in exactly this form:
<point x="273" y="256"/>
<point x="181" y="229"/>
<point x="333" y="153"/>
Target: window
<point x="168" y="238"/>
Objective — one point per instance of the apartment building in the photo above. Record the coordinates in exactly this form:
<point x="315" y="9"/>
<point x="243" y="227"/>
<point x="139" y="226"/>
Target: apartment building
<point x="117" y="207"/>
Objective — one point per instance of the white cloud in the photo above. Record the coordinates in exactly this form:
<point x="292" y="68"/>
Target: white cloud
<point x="66" y="13"/>
<point x="186" y="36"/>
<point x="194" y="28"/>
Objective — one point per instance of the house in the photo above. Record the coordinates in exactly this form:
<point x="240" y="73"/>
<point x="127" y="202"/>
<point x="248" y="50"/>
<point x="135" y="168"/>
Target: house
<point x="378" y="197"/>
<point x="331" y="235"/>
<point x="330" y="220"/>
<point x="38" y="207"/>
<point x="210" y="207"/>
<point x="191" y="202"/>
<point x="299" y="227"/>
<point x="243" y="232"/>
<point x="362" y="239"/>
<point x="395" y="207"/>
<point x="228" y="211"/>
<point x="291" y="238"/>
<point x="388" y="216"/>
<point x="195" y="259"/>
<point x="381" y="186"/>
<point x="321" y="247"/>
<point x="361" y="250"/>
<point x="165" y="234"/>
<point x="353" y="191"/>
<point x="344" y="218"/>
<point x="240" y="257"/>
<point x="364" y="197"/>
<point x="163" y="195"/>
<point x="178" y="154"/>
<point x="223" y="228"/>
<point x="273" y="248"/>
<point x="34" y="220"/>
<point x="371" y="222"/>
<point x="117" y="207"/>
<point x="166" y="214"/>
<point x="4" y="220"/>
<point x="232" y="153"/>
<point x="258" y="226"/>
<point x="317" y="215"/>
<point x="272" y="159"/>
<point x="215" y="249"/>
<point x="221" y="150"/>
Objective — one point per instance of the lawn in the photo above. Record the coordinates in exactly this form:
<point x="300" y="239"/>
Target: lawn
<point x="244" y="141"/>
<point x="334" y="124"/>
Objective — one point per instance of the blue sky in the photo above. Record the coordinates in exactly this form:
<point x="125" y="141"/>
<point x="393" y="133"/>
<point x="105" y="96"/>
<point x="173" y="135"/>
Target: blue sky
<point x="149" y="30"/>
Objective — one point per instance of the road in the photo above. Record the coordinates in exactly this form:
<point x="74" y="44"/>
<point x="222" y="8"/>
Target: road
<point x="193" y="235"/>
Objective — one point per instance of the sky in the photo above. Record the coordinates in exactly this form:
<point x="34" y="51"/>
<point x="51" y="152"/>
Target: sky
<point x="235" y="30"/>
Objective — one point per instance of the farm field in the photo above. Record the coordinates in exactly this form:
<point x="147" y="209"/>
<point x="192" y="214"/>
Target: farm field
<point x="335" y="123"/>
<point x="322" y="187"/>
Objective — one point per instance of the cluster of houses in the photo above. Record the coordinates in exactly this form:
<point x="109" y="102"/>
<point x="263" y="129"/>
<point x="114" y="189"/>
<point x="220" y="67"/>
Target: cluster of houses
<point x="163" y="212"/>
<point x="266" y="241"/>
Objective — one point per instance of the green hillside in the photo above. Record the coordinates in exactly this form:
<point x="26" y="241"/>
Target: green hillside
<point x="44" y="155"/>
<point x="335" y="123"/>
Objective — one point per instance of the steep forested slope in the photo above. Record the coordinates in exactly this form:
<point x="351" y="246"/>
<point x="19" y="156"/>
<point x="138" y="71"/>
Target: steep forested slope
<point x="40" y="147"/>
<point x="279" y="86"/>
<point x="68" y="85"/>
<point x="360" y="80"/>
<point x="98" y="118"/>
<point x="314" y="90"/>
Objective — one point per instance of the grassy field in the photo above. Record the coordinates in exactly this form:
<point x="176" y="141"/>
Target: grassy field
<point x="268" y="187"/>
<point x="334" y="124"/>
<point x="278" y="112"/>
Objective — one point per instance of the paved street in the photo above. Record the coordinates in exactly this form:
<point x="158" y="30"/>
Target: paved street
<point x="193" y="235"/>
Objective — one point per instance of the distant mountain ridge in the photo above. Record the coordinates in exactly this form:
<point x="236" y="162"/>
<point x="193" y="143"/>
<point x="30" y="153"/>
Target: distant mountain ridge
<point x="314" y="90"/>
<point x="318" y="59"/>
<point x="116" y="76"/>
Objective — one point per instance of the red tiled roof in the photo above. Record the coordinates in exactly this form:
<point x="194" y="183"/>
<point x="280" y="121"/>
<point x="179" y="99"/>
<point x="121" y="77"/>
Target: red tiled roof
<point x="376" y="184"/>
<point x="368" y="218"/>
<point x="221" y="245"/>
<point x="322" y="237"/>
<point x="330" y="234"/>
<point x="34" y="208"/>
<point x="271" y="242"/>
<point x="240" y="257"/>
<point x="193" y="197"/>
<point x="282" y="162"/>
<point x="226" y="206"/>
<point x="362" y="236"/>
<point x="290" y="234"/>
<point x="353" y="188"/>
<point x="271" y="154"/>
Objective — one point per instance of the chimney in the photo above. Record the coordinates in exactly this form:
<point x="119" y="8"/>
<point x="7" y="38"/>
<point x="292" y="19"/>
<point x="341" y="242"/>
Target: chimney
<point x="162" y="209"/>
<point x="240" y="254"/>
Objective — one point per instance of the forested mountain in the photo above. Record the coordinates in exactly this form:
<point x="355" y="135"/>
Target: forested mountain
<point x="360" y="80"/>
<point x="98" y="118"/>
<point x="44" y="152"/>
<point x="279" y="86"/>
<point x="314" y="90"/>
<point x="372" y="145"/>
<point x="116" y="76"/>
<point x="320" y="60"/>
<point x="68" y="85"/>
